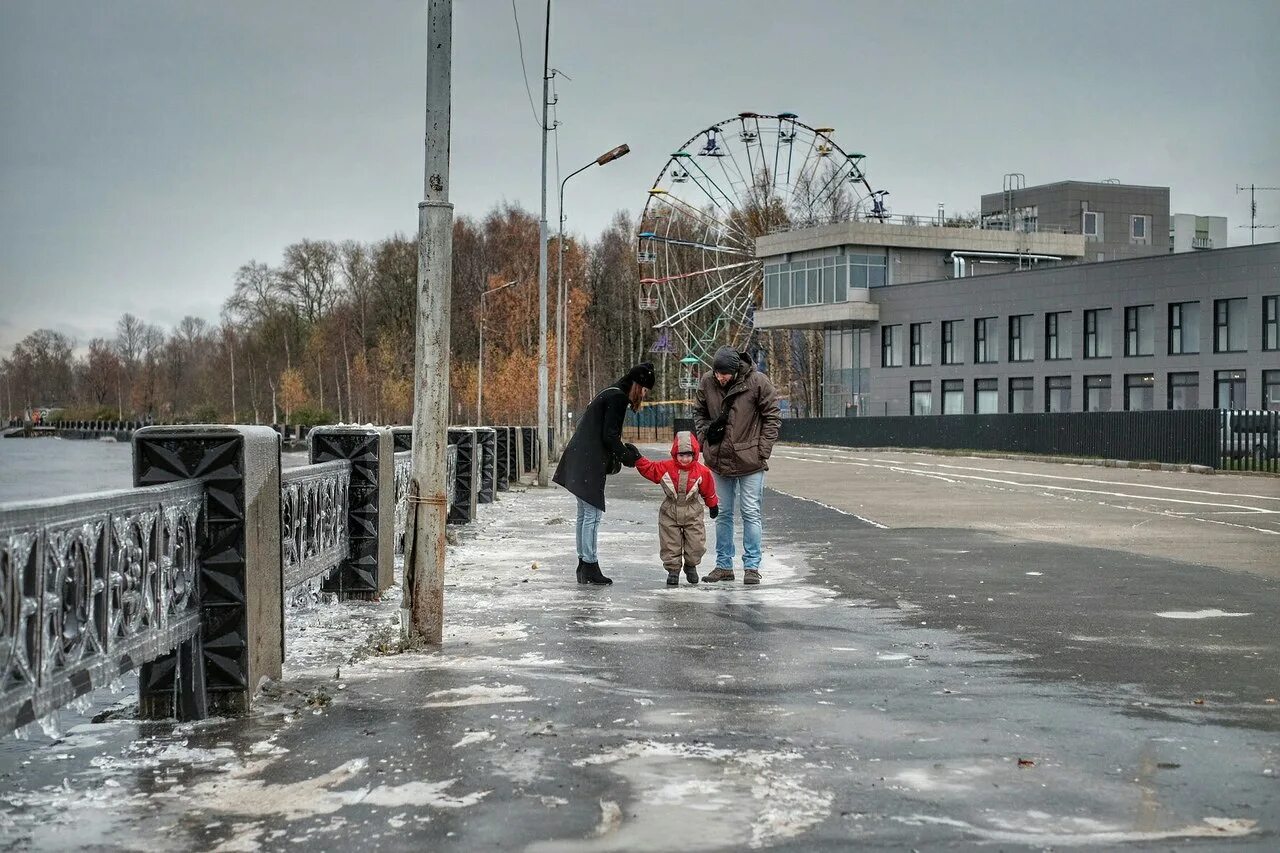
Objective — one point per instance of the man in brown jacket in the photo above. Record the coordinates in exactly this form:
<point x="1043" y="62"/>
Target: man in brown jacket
<point x="737" y="419"/>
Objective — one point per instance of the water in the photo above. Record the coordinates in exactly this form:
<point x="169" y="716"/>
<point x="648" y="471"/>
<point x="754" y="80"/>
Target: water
<point x="35" y="468"/>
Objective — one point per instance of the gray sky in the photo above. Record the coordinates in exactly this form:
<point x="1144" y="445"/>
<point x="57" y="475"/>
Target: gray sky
<point x="147" y="149"/>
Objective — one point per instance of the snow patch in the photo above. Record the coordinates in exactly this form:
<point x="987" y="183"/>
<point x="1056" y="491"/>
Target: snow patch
<point x="1210" y="613"/>
<point x="478" y="694"/>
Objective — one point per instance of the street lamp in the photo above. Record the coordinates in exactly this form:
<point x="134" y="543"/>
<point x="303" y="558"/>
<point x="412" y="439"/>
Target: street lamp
<point x="480" y="364"/>
<point x="562" y="313"/>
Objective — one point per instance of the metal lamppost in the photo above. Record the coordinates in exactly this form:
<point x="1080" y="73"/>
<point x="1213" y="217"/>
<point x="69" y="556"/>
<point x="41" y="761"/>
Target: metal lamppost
<point x="480" y="363"/>
<point x="562" y="314"/>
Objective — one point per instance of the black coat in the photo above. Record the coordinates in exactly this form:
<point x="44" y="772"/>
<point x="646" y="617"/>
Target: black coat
<point x="596" y="447"/>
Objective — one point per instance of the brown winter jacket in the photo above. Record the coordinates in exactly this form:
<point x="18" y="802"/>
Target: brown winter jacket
<point x="752" y="426"/>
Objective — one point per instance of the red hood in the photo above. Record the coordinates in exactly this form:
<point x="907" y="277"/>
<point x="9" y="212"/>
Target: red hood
<point x="689" y="441"/>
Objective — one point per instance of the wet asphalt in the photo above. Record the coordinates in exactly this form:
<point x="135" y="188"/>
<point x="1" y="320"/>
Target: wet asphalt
<point x="888" y="689"/>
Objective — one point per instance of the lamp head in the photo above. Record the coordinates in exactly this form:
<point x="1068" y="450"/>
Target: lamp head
<point x="613" y="154"/>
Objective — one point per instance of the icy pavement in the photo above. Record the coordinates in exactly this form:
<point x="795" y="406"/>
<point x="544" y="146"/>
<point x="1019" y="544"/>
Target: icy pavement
<point x="642" y="718"/>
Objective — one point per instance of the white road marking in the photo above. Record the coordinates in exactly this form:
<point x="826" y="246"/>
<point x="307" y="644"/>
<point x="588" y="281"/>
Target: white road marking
<point x="832" y="508"/>
<point x="1210" y="613"/>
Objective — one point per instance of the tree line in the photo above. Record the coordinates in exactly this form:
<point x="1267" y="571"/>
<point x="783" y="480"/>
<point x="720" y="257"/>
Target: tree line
<point x="327" y="334"/>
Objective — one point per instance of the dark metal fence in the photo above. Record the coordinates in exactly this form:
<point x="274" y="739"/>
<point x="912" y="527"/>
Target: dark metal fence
<point x="1194" y="437"/>
<point x="1250" y="440"/>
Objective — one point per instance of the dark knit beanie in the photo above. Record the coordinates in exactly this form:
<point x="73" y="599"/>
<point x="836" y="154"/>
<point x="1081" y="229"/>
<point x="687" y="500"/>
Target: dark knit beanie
<point x="727" y="360"/>
<point x="642" y="374"/>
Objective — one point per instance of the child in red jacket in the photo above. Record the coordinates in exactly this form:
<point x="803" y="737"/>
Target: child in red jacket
<point x="682" y="534"/>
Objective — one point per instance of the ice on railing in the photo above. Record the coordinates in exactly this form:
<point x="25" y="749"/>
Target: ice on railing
<point x="108" y="581"/>
<point x="313" y="507"/>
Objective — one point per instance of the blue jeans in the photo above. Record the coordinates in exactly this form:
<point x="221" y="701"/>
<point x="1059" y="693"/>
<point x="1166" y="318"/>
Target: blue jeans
<point x="748" y="493"/>
<point x="587" y="528"/>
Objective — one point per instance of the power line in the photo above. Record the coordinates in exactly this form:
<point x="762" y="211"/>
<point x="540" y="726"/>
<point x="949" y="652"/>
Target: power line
<point x="523" y="69"/>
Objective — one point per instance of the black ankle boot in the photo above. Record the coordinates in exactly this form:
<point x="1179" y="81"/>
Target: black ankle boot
<point x="583" y="575"/>
<point x="595" y="576"/>
<point x="691" y="574"/>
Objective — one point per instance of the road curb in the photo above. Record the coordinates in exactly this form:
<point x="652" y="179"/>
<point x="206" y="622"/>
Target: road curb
<point x="1032" y="457"/>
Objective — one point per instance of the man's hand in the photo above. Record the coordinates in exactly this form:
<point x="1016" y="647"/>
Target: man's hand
<point x="631" y="455"/>
<point x="715" y="510"/>
<point x="715" y="432"/>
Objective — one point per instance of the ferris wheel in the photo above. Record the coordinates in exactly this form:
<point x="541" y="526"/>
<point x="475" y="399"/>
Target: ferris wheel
<point x="728" y="184"/>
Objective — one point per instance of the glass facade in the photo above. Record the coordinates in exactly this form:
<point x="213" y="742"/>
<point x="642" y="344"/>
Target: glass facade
<point x="922" y="398"/>
<point x="821" y="281"/>
<point x="1139" y="392"/>
<point x="1057" y="394"/>
<point x="1097" y="393"/>
<point x="1022" y="392"/>
<point x="1229" y="389"/>
<point x="1139" y="330"/>
<point x="845" y="378"/>
<point x="953" y="396"/>
<point x="1057" y="335"/>
<point x="986" y="397"/>
<point x="1229" y="325"/>
<point x="1184" y="328"/>
<point x="1097" y="333"/>
<point x="1184" y="391"/>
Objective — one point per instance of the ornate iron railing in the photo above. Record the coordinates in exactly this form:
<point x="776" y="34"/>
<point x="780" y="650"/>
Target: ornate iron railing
<point x="90" y="588"/>
<point x="313" y="516"/>
<point x="403" y="472"/>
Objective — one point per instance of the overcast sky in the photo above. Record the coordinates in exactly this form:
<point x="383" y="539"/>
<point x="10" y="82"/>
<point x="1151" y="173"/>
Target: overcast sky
<point x="149" y="148"/>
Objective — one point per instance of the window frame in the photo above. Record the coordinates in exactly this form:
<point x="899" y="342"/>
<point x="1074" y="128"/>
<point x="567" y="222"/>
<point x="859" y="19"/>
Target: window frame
<point x="989" y="343"/>
<point x="949" y="348"/>
<point x="1133" y="330"/>
<point x="986" y="385"/>
<point x="952" y="386"/>
<point x="1271" y="324"/>
<point x="1093" y="335"/>
<point x="1173" y="380"/>
<point x="1147" y="383"/>
<point x="1050" y="389"/>
<point x="1088" y="386"/>
<point x="1023" y="353"/>
<point x="1027" y="384"/>
<point x="1177" y="322"/>
<point x="913" y="388"/>
<point x="889" y="346"/>
<point x="1222" y="325"/>
<point x="1243" y="382"/>
<point x="921" y="344"/>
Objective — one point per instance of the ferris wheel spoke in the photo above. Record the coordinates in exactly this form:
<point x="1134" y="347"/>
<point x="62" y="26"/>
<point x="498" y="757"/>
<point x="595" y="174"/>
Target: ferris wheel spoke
<point x="693" y="244"/>
<point x="682" y="207"/>
<point x="696" y="273"/>
<point x="707" y="193"/>
<point x="710" y="297"/>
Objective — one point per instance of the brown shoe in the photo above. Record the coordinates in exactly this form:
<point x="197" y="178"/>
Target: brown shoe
<point x="750" y="577"/>
<point x="718" y="575"/>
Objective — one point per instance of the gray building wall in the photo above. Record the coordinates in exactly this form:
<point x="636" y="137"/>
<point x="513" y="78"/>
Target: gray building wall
<point x="1245" y="271"/>
<point x="1061" y="204"/>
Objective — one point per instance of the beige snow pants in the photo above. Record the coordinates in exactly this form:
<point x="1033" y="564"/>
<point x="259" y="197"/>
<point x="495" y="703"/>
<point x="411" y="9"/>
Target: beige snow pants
<point x="682" y="532"/>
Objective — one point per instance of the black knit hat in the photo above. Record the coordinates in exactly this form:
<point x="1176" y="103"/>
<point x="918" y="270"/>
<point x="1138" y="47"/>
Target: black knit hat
<point x="641" y="374"/>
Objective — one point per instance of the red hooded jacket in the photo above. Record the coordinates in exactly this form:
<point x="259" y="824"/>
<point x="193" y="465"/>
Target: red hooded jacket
<point x="681" y="480"/>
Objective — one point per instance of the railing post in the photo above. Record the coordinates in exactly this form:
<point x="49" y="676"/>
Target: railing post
<point x="466" y="483"/>
<point x="371" y="512"/>
<point x="487" y="455"/>
<point x="502" y="450"/>
<point x="241" y="637"/>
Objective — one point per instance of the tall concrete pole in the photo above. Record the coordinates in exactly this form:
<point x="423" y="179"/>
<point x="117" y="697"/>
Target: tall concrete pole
<point x="542" y="268"/>
<point x="422" y="607"/>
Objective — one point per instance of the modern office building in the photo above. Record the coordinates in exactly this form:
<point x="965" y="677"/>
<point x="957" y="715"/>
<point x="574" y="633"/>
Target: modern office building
<point x="1191" y="233"/>
<point x="1117" y="220"/>
<point x="908" y="331"/>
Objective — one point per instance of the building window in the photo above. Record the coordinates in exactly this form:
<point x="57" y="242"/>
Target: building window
<point x="1229" y="328"/>
<point x="1271" y="322"/>
<point x="1097" y="333"/>
<point x="1057" y="335"/>
<point x="1139" y="229"/>
<point x="891" y="346"/>
<point x="1139" y="330"/>
<point x="1091" y="224"/>
<point x="922" y="398"/>
<point x="1271" y="390"/>
<point x="986" y="396"/>
<point x="1021" y="394"/>
<point x="1139" y="392"/>
<point x="950" y="342"/>
<point x="1184" y="391"/>
<point x="953" y="396"/>
<point x="1057" y="394"/>
<point x="985" y="346"/>
<point x="1021" y="344"/>
<point x="1228" y="389"/>
<point x="1184" y="328"/>
<point x="1097" y="393"/>
<point x="921" y="344"/>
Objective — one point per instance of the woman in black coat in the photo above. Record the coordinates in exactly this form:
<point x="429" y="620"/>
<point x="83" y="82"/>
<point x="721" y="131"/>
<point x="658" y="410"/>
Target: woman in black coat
<point x="595" y="451"/>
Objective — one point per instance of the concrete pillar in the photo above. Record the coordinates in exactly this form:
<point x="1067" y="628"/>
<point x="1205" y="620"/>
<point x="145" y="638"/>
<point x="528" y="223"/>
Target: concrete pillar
<point x="241" y="639"/>
<point x="466" y="475"/>
<point x="487" y="456"/>
<point x="371" y="511"/>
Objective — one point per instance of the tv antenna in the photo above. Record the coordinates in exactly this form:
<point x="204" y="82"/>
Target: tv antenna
<point x="1253" y="225"/>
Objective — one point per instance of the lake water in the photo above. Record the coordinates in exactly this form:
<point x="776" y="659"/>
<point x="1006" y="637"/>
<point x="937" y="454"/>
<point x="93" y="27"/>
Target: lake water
<point x="37" y="468"/>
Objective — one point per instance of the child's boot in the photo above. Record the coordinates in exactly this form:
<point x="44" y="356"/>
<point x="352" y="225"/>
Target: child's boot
<point x="673" y="578"/>
<point x="690" y="573"/>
